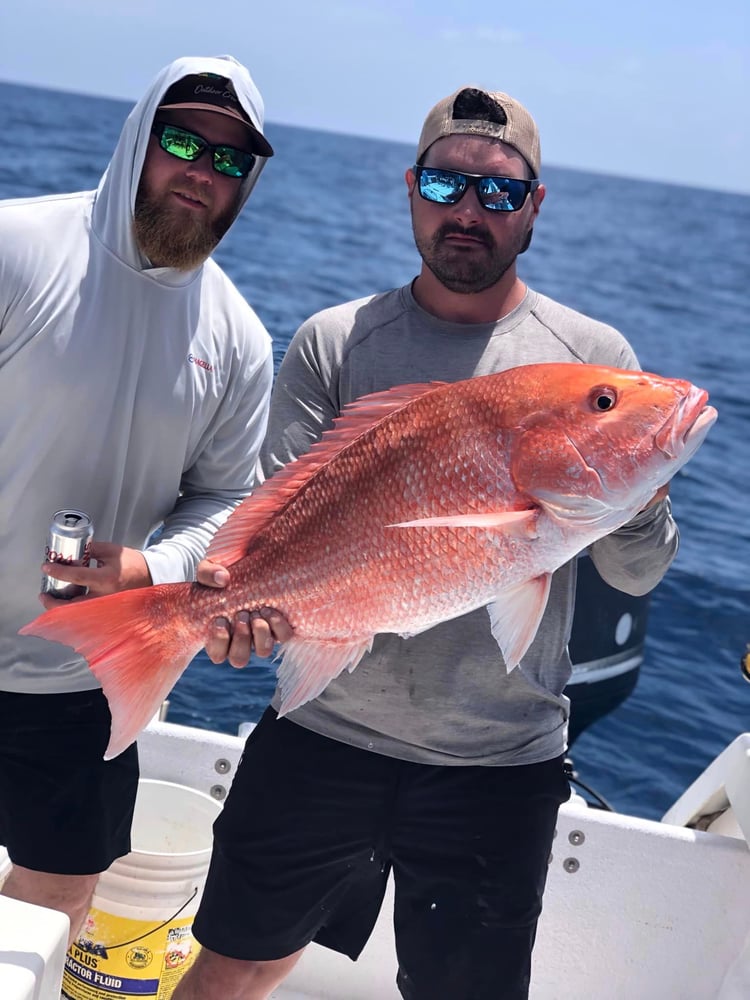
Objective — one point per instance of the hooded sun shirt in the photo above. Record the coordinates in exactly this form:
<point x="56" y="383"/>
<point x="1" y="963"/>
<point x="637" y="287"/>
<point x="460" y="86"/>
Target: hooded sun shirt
<point x="136" y="394"/>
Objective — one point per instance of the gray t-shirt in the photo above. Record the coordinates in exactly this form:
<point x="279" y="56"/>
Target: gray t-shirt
<point x="444" y="697"/>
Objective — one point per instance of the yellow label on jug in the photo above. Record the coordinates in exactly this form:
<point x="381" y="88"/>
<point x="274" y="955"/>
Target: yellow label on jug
<point x="117" y="957"/>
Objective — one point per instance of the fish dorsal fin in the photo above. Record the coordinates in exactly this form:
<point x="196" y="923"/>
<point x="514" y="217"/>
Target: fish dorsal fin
<point x="231" y="541"/>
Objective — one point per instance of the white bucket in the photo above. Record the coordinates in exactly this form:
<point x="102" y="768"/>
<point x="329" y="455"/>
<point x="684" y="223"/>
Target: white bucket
<point x="137" y="940"/>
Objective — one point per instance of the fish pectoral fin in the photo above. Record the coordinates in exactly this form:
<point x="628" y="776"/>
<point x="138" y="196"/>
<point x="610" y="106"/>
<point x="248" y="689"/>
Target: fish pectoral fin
<point x="521" y="523"/>
<point x="515" y="615"/>
<point x="307" y="667"/>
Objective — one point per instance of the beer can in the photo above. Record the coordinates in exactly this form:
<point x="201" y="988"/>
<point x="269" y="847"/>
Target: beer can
<point x="68" y="542"/>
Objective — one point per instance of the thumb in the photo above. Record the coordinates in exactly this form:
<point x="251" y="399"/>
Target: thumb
<point x="211" y="574"/>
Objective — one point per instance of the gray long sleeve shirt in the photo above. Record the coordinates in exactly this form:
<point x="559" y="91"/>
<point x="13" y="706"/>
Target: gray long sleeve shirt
<point x="444" y="697"/>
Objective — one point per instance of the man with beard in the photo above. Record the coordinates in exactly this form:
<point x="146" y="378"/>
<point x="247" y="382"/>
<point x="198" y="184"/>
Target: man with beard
<point x="134" y="386"/>
<point x="429" y="760"/>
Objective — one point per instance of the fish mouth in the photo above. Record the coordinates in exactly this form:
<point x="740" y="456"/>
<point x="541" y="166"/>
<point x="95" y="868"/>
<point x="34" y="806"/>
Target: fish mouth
<point x="685" y="428"/>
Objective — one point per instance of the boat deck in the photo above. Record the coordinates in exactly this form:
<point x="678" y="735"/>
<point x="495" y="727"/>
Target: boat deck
<point x="634" y="909"/>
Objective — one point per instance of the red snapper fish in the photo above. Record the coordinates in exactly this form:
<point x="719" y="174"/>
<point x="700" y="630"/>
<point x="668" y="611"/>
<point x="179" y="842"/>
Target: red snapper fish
<point x="421" y="504"/>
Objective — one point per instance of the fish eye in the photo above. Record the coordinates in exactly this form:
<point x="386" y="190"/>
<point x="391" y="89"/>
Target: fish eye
<point x="603" y="397"/>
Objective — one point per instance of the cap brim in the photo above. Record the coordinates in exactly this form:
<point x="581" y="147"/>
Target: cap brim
<point x="261" y="145"/>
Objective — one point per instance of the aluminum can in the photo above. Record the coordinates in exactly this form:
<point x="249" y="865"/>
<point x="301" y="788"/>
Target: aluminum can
<point x="68" y="542"/>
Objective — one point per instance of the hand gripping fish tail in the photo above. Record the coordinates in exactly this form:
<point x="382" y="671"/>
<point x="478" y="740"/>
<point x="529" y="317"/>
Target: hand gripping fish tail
<point x="421" y="504"/>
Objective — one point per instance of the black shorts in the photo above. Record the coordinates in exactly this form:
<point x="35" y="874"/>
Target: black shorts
<point x="312" y="827"/>
<point x="63" y="809"/>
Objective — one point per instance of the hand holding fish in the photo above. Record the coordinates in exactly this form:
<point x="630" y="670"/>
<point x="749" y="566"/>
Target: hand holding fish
<point x="235" y="641"/>
<point x="117" y="568"/>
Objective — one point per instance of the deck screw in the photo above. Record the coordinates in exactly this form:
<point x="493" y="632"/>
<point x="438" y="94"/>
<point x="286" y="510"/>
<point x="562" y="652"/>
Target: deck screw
<point x="571" y="865"/>
<point x="222" y="765"/>
<point x="218" y="792"/>
<point x="576" y="837"/>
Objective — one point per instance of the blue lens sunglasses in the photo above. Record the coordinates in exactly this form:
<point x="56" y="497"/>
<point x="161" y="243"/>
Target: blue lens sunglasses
<point x="497" y="194"/>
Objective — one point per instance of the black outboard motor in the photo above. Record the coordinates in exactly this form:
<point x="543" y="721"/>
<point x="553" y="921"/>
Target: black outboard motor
<point x="606" y="647"/>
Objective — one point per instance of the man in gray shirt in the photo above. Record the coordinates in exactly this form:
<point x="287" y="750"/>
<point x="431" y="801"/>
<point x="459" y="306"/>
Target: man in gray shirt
<point x="429" y="760"/>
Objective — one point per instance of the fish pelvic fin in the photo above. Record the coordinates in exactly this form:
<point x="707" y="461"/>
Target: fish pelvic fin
<point x="519" y="523"/>
<point x="515" y="615"/>
<point x="307" y="667"/>
<point x="134" y="647"/>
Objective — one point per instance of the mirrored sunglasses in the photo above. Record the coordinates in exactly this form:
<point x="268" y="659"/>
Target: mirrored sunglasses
<point x="498" y="194"/>
<point x="188" y="146"/>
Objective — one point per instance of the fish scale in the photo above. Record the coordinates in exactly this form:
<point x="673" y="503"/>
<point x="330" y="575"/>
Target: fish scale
<point x="421" y="503"/>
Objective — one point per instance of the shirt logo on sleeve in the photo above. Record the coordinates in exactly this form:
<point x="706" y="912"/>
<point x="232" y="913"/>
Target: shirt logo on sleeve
<point x="200" y="362"/>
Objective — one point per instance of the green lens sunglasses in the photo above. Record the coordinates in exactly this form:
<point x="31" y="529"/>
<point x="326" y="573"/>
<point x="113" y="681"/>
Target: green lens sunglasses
<point x="188" y="146"/>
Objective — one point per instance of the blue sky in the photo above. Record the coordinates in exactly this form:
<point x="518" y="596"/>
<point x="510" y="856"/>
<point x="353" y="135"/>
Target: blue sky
<point x="644" y="89"/>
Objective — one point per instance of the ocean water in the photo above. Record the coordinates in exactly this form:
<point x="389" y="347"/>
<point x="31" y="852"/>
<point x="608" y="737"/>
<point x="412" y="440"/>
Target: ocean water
<point x="667" y="265"/>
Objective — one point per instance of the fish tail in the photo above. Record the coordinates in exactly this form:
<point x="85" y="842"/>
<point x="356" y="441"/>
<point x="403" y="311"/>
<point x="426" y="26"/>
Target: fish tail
<point x="136" y="645"/>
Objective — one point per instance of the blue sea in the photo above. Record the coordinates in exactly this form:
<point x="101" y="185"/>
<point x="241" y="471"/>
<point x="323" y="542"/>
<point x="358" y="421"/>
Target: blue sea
<point x="667" y="265"/>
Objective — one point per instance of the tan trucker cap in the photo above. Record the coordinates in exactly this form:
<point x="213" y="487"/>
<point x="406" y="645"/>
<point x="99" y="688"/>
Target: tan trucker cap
<point x="519" y="130"/>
